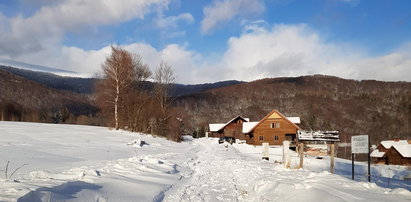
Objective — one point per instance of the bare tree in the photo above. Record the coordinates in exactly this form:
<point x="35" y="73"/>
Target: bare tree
<point x="164" y="78"/>
<point x="121" y="71"/>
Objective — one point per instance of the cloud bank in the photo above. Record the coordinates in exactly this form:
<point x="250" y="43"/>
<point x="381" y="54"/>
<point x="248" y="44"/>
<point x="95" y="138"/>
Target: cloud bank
<point x="294" y="50"/>
<point x="223" y="11"/>
<point x="261" y="50"/>
<point x="50" y="23"/>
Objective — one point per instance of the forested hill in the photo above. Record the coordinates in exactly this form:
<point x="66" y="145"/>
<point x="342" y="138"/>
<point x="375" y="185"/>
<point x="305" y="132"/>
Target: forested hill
<point x="74" y="84"/>
<point x="25" y="100"/>
<point x="86" y="85"/>
<point x="380" y="109"/>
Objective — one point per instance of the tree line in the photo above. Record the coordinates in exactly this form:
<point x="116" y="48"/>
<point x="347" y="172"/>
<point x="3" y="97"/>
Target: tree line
<point x="126" y="104"/>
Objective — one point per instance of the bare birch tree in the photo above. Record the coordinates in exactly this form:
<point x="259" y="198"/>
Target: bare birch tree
<point x="121" y="70"/>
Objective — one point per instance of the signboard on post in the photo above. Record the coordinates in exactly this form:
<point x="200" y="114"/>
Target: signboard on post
<point x="318" y="136"/>
<point x="329" y="136"/>
<point x="359" y="144"/>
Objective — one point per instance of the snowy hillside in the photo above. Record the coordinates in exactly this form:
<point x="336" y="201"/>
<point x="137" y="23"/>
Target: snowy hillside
<point x="84" y="163"/>
<point x="22" y="65"/>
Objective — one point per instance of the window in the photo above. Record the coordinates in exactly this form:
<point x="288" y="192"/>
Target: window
<point x="274" y="125"/>
<point x="261" y="138"/>
<point x="276" y="137"/>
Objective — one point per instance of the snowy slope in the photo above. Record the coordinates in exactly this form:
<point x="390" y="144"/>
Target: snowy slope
<point x="84" y="163"/>
<point x="22" y="65"/>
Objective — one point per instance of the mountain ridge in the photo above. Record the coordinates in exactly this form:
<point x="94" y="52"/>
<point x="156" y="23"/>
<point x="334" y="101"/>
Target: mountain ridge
<point x="86" y="85"/>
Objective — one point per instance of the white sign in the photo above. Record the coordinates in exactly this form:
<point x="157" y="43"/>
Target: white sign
<point x="359" y="144"/>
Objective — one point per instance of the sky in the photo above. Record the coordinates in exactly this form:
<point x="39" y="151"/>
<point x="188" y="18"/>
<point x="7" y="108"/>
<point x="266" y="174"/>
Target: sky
<point x="215" y="40"/>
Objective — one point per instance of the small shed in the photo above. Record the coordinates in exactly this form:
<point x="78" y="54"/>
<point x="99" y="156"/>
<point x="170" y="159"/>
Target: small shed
<point x="393" y="152"/>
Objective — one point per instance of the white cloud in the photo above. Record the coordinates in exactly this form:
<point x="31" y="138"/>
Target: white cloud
<point x="88" y="62"/>
<point x="170" y="26"/>
<point x="172" y="21"/>
<point x="222" y="11"/>
<point x="182" y="60"/>
<point x="260" y="51"/>
<point x="395" y="66"/>
<point x="294" y="50"/>
<point x="48" y="25"/>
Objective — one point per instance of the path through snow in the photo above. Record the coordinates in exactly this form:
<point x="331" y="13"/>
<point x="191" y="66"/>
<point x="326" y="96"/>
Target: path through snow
<point x="221" y="174"/>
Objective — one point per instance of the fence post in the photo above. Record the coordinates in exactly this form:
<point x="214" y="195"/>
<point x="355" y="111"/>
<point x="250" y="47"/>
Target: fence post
<point x="332" y="158"/>
<point x="266" y="151"/>
<point x="352" y="165"/>
<point x="286" y="153"/>
<point x="301" y="154"/>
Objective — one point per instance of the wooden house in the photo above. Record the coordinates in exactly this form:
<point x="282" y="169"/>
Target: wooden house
<point x="273" y="128"/>
<point x="393" y="152"/>
<point x="232" y="128"/>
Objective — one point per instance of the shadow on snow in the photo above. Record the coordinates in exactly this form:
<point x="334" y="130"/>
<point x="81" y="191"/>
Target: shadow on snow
<point x="62" y="192"/>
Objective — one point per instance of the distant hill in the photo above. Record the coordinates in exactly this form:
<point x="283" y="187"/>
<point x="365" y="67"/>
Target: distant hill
<point x="182" y="89"/>
<point x="25" y="100"/>
<point x="380" y="109"/>
<point x="178" y="90"/>
<point x="86" y="85"/>
<point x="38" y="68"/>
<point x="28" y="95"/>
<point x="74" y="84"/>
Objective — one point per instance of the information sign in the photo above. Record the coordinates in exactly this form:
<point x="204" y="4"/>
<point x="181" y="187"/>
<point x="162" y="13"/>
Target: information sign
<point x="359" y="144"/>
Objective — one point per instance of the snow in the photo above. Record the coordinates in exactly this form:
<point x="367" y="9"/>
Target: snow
<point x="85" y="163"/>
<point x="404" y="149"/>
<point x="38" y="68"/>
<point x="295" y="120"/>
<point x="377" y="154"/>
<point x="214" y="127"/>
<point x="248" y="126"/>
<point x="388" y="143"/>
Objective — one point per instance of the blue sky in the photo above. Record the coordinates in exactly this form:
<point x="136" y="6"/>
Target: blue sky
<point x="213" y="40"/>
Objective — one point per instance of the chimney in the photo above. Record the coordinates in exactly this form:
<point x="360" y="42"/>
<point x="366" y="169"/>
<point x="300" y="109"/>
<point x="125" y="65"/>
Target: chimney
<point x="396" y="139"/>
<point x="409" y="141"/>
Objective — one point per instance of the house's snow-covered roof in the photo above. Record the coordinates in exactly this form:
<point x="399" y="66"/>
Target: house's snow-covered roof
<point x="404" y="150"/>
<point x="235" y="119"/>
<point x="377" y="154"/>
<point x="388" y="143"/>
<point x="294" y="120"/>
<point x="247" y="126"/>
<point x="214" y="127"/>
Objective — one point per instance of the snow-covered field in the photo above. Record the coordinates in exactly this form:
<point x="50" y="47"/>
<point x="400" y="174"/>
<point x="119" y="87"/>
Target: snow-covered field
<point x="84" y="163"/>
